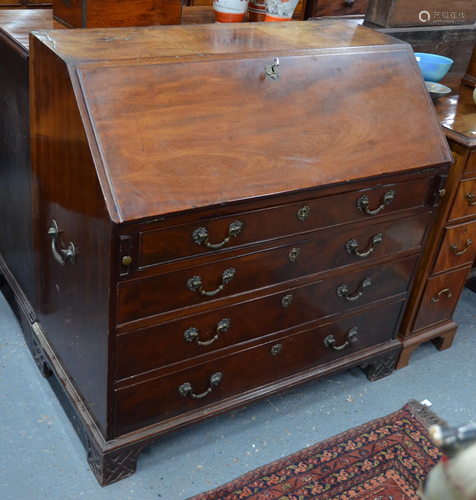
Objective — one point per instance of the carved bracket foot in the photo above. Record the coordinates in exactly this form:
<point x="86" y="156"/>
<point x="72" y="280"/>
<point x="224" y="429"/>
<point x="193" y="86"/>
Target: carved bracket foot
<point x="381" y="367"/>
<point x="40" y="359"/>
<point x="111" y="467"/>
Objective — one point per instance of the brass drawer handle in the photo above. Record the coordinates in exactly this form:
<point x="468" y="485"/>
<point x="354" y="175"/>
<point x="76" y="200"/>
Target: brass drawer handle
<point x="276" y="349"/>
<point x="454" y="248"/>
<point x="353" y="247"/>
<point x="186" y="389"/>
<point x="286" y="300"/>
<point x="69" y="254"/>
<point x="363" y="203"/>
<point x="195" y="283"/>
<point x="191" y="335"/>
<point x="343" y="291"/>
<point x="437" y="297"/>
<point x="470" y="198"/>
<point x="303" y="213"/>
<point x="200" y="235"/>
<point x="330" y="341"/>
<point x="272" y="69"/>
<point x="294" y="254"/>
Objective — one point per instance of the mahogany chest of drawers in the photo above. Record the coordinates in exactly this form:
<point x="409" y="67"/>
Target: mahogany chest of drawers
<point x="222" y="213"/>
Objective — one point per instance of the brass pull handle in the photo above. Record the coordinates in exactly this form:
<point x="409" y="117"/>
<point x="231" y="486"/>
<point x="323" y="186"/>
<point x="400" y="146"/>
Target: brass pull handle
<point x="69" y="254"/>
<point x="286" y="300"/>
<point x="272" y="69"/>
<point x="294" y="254"/>
<point x="187" y="390"/>
<point x="454" y="248"/>
<point x="470" y="197"/>
<point x="303" y="213"/>
<point x="276" y="349"/>
<point x="330" y="341"/>
<point x="195" y="283"/>
<point x="343" y="291"/>
<point x="448" y="293"/>
<point x="353" y="247"/>
<point x="191" y="335"/>
<point x="349" y="3"/>
<point x="200" y="235"/>
<point x="363" y="203"/>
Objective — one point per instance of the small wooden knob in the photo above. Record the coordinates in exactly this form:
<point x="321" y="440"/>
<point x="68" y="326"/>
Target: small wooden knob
<point x="349" y="3"/>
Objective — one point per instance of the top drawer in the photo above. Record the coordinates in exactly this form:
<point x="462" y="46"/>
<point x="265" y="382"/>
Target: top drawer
<point x="211" y="235"/>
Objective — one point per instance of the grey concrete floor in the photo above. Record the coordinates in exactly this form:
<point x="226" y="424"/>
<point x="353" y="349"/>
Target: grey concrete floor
<point x="41" y="455"/>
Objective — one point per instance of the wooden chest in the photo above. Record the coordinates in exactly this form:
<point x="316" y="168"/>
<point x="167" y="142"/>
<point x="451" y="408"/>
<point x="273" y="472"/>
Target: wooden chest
<point x="451" y="250"/>
<point x="398" y="13"/>
<point x="221" y="213"/>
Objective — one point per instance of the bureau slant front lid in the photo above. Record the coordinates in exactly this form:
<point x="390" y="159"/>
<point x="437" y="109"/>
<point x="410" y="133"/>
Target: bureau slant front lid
<point x="182" y="117"/>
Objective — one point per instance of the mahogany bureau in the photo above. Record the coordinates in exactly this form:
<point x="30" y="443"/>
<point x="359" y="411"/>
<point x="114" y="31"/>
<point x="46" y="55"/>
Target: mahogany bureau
<point x="451" y="250"/>
<point x="221" y="213"/>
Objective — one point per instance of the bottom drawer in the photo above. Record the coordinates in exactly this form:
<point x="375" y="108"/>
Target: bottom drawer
<point x="155" y="400"/>
<point x="440" y="298"/>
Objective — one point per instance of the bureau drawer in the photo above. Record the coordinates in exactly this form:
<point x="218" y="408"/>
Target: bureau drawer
<point x="465" y="200"/>
<point x="458" y="247"/>
<point x="143" y="404"/>
<point x="164" y="344"/>
<point x="440" y="298"/>
<point x="146" y="297"/>
<point x="470" y="164"/>
<point x="178" y="242"/>
<point x="321" y="8"/>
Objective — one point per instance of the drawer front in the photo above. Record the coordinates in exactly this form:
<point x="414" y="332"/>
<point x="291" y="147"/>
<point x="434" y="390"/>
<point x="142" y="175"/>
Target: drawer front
<point x="140" y="405"/>
<point x="164" y="344"/>
<point x="471" y="163"/>
<point x="458" y="247"/>
<point x="465" y="200"/>
<point x="178" y="242"/>
<point x="146" y="297"/>
<point x="338" y="7"/>
<point x="440" y="298"/>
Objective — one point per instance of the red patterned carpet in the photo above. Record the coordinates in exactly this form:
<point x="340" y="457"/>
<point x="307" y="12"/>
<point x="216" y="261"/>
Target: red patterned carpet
<point x="383" y="460"/>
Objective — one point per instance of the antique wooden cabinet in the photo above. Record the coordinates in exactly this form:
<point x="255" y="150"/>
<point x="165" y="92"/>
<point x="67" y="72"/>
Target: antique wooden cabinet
<point x="451" y="250"/>
<point x="221" y="212"/>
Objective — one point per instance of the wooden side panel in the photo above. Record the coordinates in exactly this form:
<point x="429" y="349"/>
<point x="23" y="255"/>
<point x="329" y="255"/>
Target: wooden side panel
<point x="16" y="231"/>
<point x="73" y="299"/>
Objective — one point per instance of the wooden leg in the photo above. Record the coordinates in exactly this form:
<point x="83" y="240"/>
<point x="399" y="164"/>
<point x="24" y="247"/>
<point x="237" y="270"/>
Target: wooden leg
<point x="404" y="357"/>
<point x="381" y="367"/>
<point x="445" y="342"/>
<point x="40" y="359"/>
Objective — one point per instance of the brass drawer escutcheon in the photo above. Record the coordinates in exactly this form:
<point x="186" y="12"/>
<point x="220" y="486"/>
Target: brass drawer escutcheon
<point x="200" y="235"/>
<point x="343" y="291"/>
<point x="276" y="349"/>
<point x="195" y="283"/>
<point x="446" y="291"/>
<point x="353" y="247"/>
<point x="303" y="213"/>
<point x="187" y="390"/>
<point x="330" y="341"/>
<point x="286" y="300"/>
<point x="69" y="254"/>
<point x="454" y="248"/>
<point x="470" y="197"/>
<point x="363" y="203"/>
<point x="294" y="254"/>
<point x="191" y="335"/>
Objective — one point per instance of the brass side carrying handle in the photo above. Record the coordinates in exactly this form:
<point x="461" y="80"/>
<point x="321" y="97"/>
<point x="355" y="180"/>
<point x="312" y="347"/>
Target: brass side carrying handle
<point x="200" y="235"/>
<point x="447" y="291"/>
<point x="363" y="203"/>
<point x="470" y="197"/>
<point x="343" y="291"/>
<point x="353" y="247"/>
<point x="330" y="341"/>
<point x="191" y="335"/>
<point x="454" y="248"/>
<point x="69" y="254"/>
<point x="187" y="390"/>
<point x="195" y="283"/>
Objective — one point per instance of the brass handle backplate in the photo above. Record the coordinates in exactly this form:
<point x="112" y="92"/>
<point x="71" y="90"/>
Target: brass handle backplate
<point x="363" y="203"/>
<point x="353" y="247"/>
<point x="343" y="291"/>
<point x="286" y="300"/>
<point x="200" y="235"/>
<point x="303" y="213"/>
<point x="294" y="254"/>
<point x="187" y="390"/>
<point x="272" y="69"/>
<point x="470" y="197"/>
<point x="454" y="248"/>
<point x="195" y="283"/>
<point x="69" y="254"/>
<point x="191" y="335"/>
<point x="446" y="291"/>
<point x="276" y="349"/>
<point x="351" y="336"/>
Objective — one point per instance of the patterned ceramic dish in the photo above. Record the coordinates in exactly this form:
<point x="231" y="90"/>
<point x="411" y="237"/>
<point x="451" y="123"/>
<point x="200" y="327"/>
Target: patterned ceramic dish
<point x="437" y="90"/>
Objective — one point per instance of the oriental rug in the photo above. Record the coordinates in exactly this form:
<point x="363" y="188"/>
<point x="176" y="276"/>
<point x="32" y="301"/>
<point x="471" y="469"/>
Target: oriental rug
<point x="385" y="459"/>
